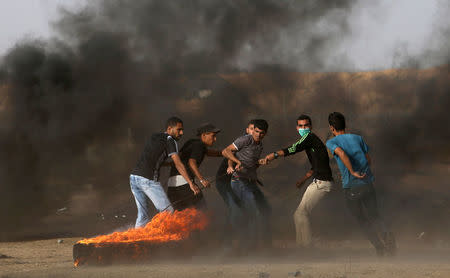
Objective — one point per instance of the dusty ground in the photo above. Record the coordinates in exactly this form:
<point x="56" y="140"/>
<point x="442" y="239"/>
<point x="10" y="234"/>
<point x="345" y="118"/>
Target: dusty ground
<point x="48" y="258"/>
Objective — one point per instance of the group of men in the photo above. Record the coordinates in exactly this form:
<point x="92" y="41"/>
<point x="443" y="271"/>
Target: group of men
<point x="238" y="184"/>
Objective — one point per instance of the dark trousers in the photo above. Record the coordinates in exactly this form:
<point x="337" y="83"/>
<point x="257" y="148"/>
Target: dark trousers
<point x="362" y="203"/>
<point x="251" y="220"/>
<point x="265" y="210"/>
<point x="182" y="197"/>
<point x="223" y="186"/>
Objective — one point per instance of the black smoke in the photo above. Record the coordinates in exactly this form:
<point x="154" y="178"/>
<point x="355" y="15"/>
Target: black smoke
<point x="77" y="108"/>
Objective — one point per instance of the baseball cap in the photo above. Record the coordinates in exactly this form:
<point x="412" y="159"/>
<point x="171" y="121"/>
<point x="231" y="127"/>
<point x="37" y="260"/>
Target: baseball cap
<point x="205" y="128"/>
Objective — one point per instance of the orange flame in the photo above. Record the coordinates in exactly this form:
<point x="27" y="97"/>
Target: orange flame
<point x="163" y="227"/>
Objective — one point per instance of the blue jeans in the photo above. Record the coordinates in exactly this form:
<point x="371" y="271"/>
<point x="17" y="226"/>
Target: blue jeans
<point x="144" y="189"/>
<point x="223" y="186"/>
<point x="246" y="217"/>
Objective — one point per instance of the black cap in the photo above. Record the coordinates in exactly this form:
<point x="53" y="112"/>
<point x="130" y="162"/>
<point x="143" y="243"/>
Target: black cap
<point x="205" y="128"/>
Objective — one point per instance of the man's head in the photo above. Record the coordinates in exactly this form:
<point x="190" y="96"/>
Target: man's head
<point x="250" y="127"/>
<point x="174" y="127"/>
<point x="337" y="122"/>
<point x="304" y="124"/>
<point x="207" y="133"/>
<point x="260" y="130"/>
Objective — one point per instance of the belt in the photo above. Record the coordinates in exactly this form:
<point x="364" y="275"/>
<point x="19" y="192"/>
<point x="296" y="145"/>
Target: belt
<point x="176" y="181"/>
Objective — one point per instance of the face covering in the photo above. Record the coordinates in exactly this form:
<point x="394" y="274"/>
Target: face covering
<point x="304" y="131"/>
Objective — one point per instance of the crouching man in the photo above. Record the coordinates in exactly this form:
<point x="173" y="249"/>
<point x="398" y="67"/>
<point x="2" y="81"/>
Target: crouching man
<point x="144" y="179"/>
<point x="180" y="192"/>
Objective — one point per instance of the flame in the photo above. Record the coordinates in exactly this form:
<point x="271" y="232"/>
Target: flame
<point x="163" y="227"/>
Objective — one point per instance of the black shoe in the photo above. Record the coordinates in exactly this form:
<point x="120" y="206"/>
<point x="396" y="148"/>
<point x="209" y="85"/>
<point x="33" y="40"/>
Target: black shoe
<point x="390" y="244"/>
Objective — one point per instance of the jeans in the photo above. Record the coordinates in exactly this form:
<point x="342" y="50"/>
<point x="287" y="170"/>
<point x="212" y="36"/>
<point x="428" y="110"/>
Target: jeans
<point x="362" y="198"/>
<point x="302" y="216"/>
<point x="144" y="189"/>
<point x="245" y="218"/>
<point x="265" y="211"/>
<point x="223" y="186"/>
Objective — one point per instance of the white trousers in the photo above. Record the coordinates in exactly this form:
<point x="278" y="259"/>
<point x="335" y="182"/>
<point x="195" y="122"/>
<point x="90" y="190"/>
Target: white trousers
<point x="302" y="216"/>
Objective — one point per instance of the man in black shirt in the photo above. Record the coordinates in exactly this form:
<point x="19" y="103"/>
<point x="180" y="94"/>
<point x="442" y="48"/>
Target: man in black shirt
<point x="144" y="179"/>
<point x="192" y="154"/>
<point x="320" y="171"/>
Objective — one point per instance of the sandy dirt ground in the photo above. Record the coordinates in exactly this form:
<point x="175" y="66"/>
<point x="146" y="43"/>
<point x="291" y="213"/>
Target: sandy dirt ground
<point x="48" y="258"/>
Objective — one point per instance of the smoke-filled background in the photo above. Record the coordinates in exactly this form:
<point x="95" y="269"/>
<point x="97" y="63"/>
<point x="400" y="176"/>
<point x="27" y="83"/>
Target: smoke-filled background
<point x="76" y="109"/>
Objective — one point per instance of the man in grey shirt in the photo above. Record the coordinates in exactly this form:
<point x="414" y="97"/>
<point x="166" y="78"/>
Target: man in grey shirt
<point x="245" y="151"/>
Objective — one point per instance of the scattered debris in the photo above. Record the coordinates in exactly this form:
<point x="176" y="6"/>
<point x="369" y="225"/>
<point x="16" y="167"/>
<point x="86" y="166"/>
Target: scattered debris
<point x="60" y="241"/>
<point x="263" y="275"/>
<point x="421" y="235"/>
<point x="61" y="210"/>
<point x="124" y="216"/>
<point x="295" y="274"/>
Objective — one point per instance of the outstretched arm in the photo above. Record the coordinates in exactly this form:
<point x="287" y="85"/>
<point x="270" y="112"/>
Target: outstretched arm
<point x="271" y="156"/>
<point x="344" y="158"/>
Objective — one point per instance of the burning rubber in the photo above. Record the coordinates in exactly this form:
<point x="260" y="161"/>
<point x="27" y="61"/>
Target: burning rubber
<point x="163" y="237"/>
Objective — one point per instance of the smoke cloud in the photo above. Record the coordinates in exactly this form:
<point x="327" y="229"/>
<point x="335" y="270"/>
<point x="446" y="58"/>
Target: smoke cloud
<point x="76" y="109"/>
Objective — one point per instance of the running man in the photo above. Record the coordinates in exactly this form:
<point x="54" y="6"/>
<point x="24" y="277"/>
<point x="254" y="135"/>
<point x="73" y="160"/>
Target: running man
<point x="223" y="185"/>
<point x="352" y="156"/>
<point x="320" y="172"/>
<point x="245" y="152"/>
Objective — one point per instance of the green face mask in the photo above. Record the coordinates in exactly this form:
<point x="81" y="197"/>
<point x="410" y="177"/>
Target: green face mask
<point x="303" y="131"/>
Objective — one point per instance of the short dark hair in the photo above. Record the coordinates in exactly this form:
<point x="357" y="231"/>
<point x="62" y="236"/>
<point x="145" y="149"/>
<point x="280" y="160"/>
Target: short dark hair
<point x="173" y="121"/>
<point x="337" y="120"/>
<point x="304" y="117"/>
<point x="261" y="124"/>
<point x="251" y="122"/>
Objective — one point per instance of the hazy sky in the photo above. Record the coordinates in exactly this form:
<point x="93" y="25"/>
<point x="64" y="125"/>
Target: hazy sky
<point x="380" y="28"/>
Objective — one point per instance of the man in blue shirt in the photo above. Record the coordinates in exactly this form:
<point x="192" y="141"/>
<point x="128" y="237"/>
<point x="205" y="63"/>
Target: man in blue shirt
<point x="352" y="156"/>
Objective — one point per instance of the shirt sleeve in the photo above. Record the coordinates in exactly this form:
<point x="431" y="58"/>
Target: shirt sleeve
<point x="331" y="145"/>
<point x="298" y="146"/>
<point x="242" y="141"/>
<point x="198" y="151"/>
<point x="364" y="146"/>
<point x="172" y="147"/>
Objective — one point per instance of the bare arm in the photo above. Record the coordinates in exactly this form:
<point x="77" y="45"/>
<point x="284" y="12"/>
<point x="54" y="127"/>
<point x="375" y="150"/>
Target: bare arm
<point x="340" y="152"/>
<point x="194" y="167"/>
<point x="230" y="168"/>
<point x="228" y="152"/>
<point x="182" y="170"/>
<point x="215" y="153"/>
<point x="302" y="181"/>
